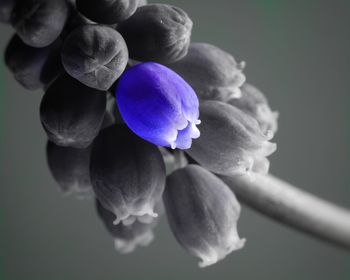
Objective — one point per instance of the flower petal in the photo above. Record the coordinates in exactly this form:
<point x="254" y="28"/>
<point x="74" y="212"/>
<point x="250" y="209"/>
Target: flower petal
<point x="202" y="213"/>
<point x="254" y="103"/>
<point x="127" y="173"/>
<point x="156" y="103"/>
<point x="185" y="136"/>
<point x="230" y="140"/>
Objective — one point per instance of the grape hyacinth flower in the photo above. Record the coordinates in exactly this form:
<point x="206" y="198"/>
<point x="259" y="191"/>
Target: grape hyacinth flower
<point x="127" y="174"/>
<point x="72" y="113"/>
<point x="158" y="105"/>
<point x="70" y="169"/>
<point x="231" y="142"/>
<point x="95" y="55"/>
<point x="212" y="72"/>
<point x="33" y="68"/>
<point x="157" y="32"/>
<point x="202" y="213"/>
<point x="39" y="22"/>
<point x="254" y="103"/>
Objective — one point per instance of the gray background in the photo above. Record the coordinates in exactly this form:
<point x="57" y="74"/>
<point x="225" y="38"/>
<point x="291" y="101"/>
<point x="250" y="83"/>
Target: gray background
<point x="297" y="52"/>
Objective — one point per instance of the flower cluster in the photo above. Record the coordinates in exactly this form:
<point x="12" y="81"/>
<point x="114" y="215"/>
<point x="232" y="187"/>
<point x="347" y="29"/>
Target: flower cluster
<point x="129" y="102"/>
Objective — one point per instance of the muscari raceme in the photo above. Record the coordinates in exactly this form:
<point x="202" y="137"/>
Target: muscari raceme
<point x="158" y="105"/>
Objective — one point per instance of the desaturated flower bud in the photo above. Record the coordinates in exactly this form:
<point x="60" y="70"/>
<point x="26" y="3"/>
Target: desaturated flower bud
<point x="158" y="105"/>
<point x="39" y="22"/>
<point x="254" y="103"/>
<point x="72" y="113"/>
<point x="126" y="237"/>
<point x="70" y="169"/>
<point x="127" y="174"/>
<point x="213" y="73"/>
<point x="202" y="213"/>
<point x="157" y="32"/>
<point x="33" y="68"/>
<point x="231" y="141"/>
<point x="95" y="55"/>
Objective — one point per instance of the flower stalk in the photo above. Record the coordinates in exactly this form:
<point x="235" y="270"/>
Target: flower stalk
<point x="292" y="206"/>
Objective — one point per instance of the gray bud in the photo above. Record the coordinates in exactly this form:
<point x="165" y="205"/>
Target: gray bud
<point x="202" y="213"/>
<point x="39" y="22"/>
<point x="72" y="113"/>
<point x="254" y="103"/>
<point x="231" y="141"/>
<point x="70" y="169"/>
<point x="213" y="73"/>
<point x="33" y="68"/>
<point x="157" y="32"/>
<point x="127" y="174"/>
<point x="95" y="55"/>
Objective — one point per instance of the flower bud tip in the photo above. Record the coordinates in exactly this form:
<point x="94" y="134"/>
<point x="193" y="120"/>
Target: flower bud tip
<point x="127" y="246"/>
<point x="151" y="213"/>
<point x="217" y="256"/>
<point x="116" y="221"/>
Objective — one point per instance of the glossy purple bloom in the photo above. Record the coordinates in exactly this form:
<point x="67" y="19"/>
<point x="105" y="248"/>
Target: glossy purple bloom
<point x="158" y="105"/>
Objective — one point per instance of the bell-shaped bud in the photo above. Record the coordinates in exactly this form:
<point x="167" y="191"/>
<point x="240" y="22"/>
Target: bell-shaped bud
<point x="254" y="103"/>
<point x="157" y="32"/>
<point x="95" y="55"/>
<point x="127" y="174"/>
<point x="39" y="22"/>
<point x="202" y="213"/>
<point x="126" y="237"/>
<point x="6" y="7"/>
<point x="72" y="113"/>
<point x="108" y="11"/>
<point x="33" y="68"/>
<point x="158" y="105"/>
<point x="231" y="141"/>
<point x="70" y="169"/>
<point x="213" y="73"/>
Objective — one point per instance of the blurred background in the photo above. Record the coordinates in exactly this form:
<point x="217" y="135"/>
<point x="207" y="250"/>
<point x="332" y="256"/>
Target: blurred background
<point x="297" y="53"/>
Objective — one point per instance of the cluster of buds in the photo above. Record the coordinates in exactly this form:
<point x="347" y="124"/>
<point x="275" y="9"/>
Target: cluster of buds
<point x="129" y="102"/>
